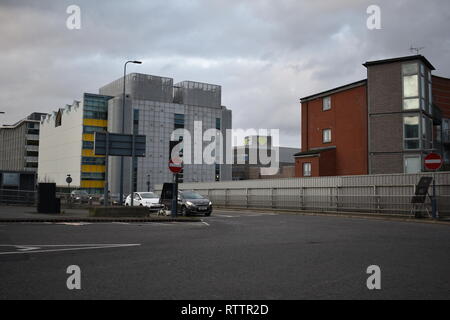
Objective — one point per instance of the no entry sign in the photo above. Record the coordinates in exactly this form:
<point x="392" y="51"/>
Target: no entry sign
<point x="433" y="161"/>
<point x="175" y="167"/>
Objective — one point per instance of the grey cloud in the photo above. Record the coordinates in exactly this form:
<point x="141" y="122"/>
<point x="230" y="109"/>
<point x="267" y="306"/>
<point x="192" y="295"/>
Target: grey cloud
<point x="265" y="54"/>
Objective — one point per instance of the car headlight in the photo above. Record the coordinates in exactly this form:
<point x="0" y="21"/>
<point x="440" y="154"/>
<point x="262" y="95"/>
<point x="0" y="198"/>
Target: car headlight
<point x="210" y="203"/>
<point x="189" y="203"/>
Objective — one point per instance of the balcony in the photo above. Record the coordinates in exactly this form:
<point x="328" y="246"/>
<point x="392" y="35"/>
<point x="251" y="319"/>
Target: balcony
<point x="31" y="159"/>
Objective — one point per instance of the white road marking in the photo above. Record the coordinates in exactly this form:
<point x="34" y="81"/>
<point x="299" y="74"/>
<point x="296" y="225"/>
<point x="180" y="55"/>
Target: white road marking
<point x="205" y="223"/>
<point x="223" y="216"/>
<point x="73" y="223"/>
<point x="72" y="247"/>
<point x="23" y="248"/>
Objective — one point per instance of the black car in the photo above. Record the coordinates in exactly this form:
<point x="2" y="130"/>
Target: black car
<point x="191" y="202"/>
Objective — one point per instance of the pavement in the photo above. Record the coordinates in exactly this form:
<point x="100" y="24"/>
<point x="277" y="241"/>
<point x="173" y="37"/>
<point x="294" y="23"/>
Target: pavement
<point x="230" y="255"/>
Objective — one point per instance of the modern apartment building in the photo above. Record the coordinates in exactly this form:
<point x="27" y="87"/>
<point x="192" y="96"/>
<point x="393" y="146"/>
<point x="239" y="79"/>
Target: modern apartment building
<point x="19" y="144"/>
<point x="67" y="141"/>
<point x="154" y="107"/>
<point x="384" y="124"/>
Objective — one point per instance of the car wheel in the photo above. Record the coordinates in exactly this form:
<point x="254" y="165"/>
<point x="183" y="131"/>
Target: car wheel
<point x="207" y="214"/>
<point x="183" y="211"/>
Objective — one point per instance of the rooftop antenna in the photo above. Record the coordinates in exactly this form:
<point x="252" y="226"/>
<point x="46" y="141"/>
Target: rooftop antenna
<point x="417" y="50"/>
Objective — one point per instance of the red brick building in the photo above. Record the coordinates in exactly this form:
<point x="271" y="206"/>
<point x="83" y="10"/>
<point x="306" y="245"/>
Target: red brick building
<point x="384" y="124"/>
<point x="334" y="132"/>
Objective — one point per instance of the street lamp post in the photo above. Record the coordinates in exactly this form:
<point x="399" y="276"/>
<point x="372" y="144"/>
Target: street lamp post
<point x="123" y="131"/>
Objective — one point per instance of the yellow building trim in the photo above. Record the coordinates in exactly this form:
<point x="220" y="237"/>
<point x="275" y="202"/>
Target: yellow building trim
<point x="95" y="122"/>
<point x="92" y="168"/>
<point x="88" y="137"/>
<point x="89" y="153"/>
<point x="92" y="184"/>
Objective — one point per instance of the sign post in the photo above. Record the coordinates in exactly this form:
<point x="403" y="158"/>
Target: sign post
<point x="123" y="145"/>
<point x="175" y="168"/>
<point x="69" y="181"/>
<point x="433" y="162"/>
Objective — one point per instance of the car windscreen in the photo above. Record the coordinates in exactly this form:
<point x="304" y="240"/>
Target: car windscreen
<point x="191" y="195"/>
<point x="148" y="195"/>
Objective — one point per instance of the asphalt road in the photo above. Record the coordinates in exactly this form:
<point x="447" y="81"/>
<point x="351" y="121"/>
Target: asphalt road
<point x="232" y="255"/>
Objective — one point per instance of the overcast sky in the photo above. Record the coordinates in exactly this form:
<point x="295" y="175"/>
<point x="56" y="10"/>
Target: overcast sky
<point x="265" y="54"/>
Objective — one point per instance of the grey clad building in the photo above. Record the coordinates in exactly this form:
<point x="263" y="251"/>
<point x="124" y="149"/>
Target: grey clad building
<point x="155" y="107"/>
<point x="19" y="144"/>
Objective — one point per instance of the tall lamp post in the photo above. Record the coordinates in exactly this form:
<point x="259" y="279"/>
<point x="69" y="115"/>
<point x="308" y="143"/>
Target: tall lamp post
<point x="123" y="129"/>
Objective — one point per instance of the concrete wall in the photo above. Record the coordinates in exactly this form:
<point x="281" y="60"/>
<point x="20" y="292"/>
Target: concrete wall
<point x="60" y="147"/>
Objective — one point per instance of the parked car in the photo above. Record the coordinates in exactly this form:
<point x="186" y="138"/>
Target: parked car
<point x="114" y="199"/>
<point x="191" y="202"/>
<point x="79" y="196"/>
<point x="146" y="199"/>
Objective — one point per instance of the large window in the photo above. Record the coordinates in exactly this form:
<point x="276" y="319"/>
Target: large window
<point x="413" y="164"/>
<point x="410" y="86"/>
<point x="326" y="103"/>
<point x="307" y="169"/>
<point x="326" y="135"/>
<point x="411" y="132"/>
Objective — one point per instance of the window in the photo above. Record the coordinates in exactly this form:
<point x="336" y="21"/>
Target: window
<point x="410" y="86"/>
<point x="411" y="132"/>
<point x="58" y="119"/>
<point x="218" y="123"/>
<point x="326" y="135"/>
<point x="326" y="103"/>
<point x="92" y="129"/>
<point x="93" y="161"/>
<point x="307" y="169"/>
<point x="93" y="176"/>
<point x="178" y="121"/>
<point x="413" y="164"/>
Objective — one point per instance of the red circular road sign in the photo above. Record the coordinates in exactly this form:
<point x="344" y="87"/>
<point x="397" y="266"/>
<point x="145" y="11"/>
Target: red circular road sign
<point x="433" y="161"/>
<point x="175" y="167"/>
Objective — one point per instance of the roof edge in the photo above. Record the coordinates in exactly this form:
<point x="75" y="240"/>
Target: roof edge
<point x="400" y="59"/>
<point x="334" y="90"/>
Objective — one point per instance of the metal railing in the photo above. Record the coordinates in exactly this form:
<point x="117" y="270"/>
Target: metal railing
<point x="330" y="199"/>
<point x="18" y="197"/>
